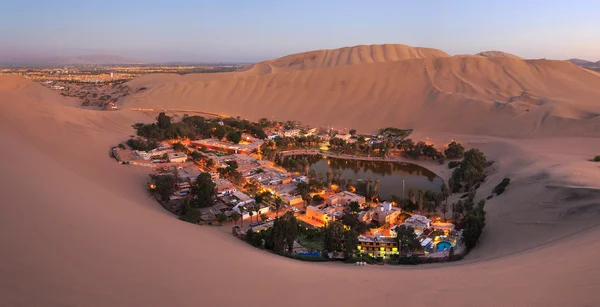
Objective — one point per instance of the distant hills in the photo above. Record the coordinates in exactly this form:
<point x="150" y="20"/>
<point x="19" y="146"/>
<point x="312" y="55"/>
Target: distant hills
<point x="586" y="64"/>
<point x="96" y="59"/>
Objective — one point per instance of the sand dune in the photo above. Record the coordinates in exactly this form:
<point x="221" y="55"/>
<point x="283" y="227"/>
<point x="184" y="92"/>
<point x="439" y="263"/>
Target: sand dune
<point x="78" y="229"/>
<point x="493" y="96"/>
<point x="317" y="59"/>
<point x="362" y="54"/>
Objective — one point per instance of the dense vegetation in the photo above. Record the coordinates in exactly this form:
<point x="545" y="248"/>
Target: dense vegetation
<point x="193" y="127"/>
<point x="339" y="239"/>
<point x="469" y="172"/>
<point x="407" y="240"/>
<point x="279" y="238"/>
<point x="454" y="151"/>
<point x="141" y="144"/>
<point x="499" y="189"/>
<point x="202" y="192"/>
<point x="473" y="225"/>
<point x="164" y="185"/>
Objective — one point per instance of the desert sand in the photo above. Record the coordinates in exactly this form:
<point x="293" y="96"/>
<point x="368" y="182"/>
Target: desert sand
<point x="78" y="229"/>
<point x="498" y="96"/>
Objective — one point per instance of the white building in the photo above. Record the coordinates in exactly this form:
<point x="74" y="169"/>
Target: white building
<point x="345" y="197"/>
<point x="177" y="157"/>
<point x="418" y="222"/>
<point x="247" y="209"/>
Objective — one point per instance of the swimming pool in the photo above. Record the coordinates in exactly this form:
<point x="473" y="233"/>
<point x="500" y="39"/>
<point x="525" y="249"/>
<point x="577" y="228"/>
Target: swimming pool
<point x="444" y="245"/>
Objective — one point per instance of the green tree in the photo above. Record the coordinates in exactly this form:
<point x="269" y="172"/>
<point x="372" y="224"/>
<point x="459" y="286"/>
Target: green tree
<point x="257" y="210"/>
<point x="445" y="192"/>
<point x="350" y="242"/>
<point x="454" y="151"/>
<point x="210" y="163"/>
<point x="219" y="132"/>
<point x="235" y="217"/>
<point x="473" y="226"/>
<point x="420" y="199"/>
<point x="203" y="190"/>
<point x="221" y="218"/>
<point x="284" y="233"/>
<point x="235" y="137"/>
<point x="354" y="207"/>
<point x="263" y="217"/>
<point x="334" y="237"/>
<point x="163" y="121"/>
<point x="164" y="185"/>
<point x="411" y="196"/>
<point x="179" y="147"/>
<point x="278" y="203"/>
<point x="407" y="239"/>
<point x="352" y="132"/>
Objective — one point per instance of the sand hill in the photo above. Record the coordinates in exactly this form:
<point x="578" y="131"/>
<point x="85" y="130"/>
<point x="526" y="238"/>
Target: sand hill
<point x="79" y="229"/>
<point x="498" y="96"/>
<point x="317" y="59"/>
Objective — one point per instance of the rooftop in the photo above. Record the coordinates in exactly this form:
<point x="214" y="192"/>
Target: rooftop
<point x="377" y="239"/>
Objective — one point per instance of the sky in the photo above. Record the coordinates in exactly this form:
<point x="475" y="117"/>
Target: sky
<point x="250" y="31"/>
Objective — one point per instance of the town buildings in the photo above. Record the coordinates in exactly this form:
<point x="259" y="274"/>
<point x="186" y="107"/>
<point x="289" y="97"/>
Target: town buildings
<point x="385" y="213"/>
<point x="377" y="246"/>
<point x="177" y="157"/>
<point x="418" y="222"/>
<point x="324" y="214"/>
<point x="345" y="197"/>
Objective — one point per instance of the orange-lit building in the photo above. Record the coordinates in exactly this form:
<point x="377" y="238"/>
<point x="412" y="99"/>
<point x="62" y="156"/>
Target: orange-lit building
<point x="377" y="246"/>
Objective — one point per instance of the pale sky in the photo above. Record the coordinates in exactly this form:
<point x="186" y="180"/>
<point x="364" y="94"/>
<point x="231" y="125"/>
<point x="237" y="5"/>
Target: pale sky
<point x="248" y="31"/>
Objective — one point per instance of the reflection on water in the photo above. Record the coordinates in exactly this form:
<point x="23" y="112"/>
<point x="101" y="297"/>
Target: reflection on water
<point x="389" y="174"/>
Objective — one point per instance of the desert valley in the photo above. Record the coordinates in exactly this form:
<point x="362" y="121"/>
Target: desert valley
<point x="80" y="229"/>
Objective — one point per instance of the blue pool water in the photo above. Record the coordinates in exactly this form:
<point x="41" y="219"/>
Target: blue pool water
<point x="443" y="246"/>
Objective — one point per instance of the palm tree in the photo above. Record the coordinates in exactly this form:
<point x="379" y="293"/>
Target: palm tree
<point x="395" y="199"/>
<point x="376" y="189"/>
<point x="411" y="196"/>
<point x="444" y="209"/>
<point x="257" y="209"/>
<point x="235" y="217"/>
<point x="312" y="174"/>
<point x="320" y="177"/>
<point x="328" y="174"/>
<point x="368" y="192"/>
<point x="278" y="203"/>
<point x="251" y="213"/>
<point x="445" y="193"/>
<point x="421" y="198"/>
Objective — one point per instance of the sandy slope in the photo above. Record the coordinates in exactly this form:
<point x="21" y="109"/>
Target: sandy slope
<point x="492" y="96"/>
<point x="317" y="59"/>
<point x="79" y="230"/>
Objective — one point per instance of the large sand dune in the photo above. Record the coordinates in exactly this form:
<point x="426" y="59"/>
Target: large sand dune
<point x="79" y="229"/>
<point x="500" y="96"/>
<point x="324" y="58"/>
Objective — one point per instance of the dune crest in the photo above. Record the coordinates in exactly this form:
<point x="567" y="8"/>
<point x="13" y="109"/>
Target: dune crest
<point x="500" y="96"/>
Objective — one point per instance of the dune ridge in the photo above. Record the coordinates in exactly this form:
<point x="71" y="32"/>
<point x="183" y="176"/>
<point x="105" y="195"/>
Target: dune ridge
<point x="317" y="59"/>
<point x="498" y="96"/>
